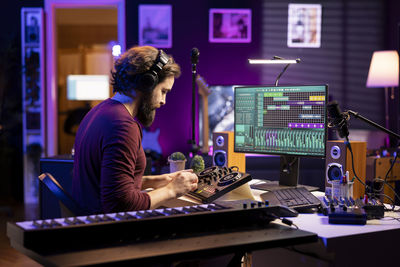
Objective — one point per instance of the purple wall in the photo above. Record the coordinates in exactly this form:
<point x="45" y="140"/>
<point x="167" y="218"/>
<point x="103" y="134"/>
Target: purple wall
<point x="218" y="63"/>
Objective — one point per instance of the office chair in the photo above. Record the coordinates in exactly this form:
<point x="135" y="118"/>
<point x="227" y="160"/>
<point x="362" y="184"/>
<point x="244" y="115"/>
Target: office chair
<point x="68" y="206"/>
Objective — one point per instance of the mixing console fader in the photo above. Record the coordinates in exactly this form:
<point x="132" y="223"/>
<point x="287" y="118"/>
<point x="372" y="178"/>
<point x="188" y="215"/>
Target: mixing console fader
<point x="215" y="181"/>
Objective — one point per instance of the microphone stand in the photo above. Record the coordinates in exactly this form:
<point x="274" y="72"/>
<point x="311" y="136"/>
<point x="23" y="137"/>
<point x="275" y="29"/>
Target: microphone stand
<point x="374" y="124"/>
<point x="193" y="141"/>
<point x="194" y="60"/>
<point x="358" y="116"/>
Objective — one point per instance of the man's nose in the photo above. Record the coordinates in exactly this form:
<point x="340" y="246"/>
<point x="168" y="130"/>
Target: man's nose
<point x="163" y="101"/>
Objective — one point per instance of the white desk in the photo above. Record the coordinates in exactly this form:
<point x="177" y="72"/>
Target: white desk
<point x="375" y="244"/>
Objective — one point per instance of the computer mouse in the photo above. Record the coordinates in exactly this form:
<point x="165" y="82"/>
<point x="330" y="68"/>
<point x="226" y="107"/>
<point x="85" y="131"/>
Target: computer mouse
<point x="287" y="212"/>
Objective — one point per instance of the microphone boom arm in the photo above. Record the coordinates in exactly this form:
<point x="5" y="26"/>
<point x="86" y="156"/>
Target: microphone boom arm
<point x="358" y="116"/>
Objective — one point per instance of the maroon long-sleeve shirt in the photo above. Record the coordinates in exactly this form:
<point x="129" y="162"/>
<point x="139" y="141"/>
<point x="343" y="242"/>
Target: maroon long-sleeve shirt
<point x="109" y="161"/>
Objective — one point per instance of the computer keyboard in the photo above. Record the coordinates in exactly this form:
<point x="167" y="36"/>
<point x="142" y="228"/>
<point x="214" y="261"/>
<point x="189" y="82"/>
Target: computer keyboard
<point x="298" y="198"/>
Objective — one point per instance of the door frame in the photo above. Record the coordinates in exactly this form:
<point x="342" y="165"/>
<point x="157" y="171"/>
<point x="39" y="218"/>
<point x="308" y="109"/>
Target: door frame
<point x="51" y="96"/>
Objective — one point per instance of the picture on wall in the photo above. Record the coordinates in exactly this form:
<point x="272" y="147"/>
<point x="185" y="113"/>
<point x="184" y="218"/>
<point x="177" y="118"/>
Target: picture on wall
<point x="304" y="25"/>
<point x="229" y="25"/>
<point x="32" y="27"/>
<point x="155" y="25"/>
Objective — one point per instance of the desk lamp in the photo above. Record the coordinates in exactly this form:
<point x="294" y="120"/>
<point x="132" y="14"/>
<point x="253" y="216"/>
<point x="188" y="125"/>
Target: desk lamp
<point x="384" y="72"/>
<point x="276" y="60"/>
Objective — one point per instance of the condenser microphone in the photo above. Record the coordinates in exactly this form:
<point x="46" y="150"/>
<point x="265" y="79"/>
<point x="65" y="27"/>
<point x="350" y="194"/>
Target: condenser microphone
<point x="194" y="55"/>
<point x="338" y="120"/>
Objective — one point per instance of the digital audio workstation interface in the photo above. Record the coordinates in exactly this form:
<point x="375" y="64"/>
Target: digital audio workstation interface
<point x="284" y="120"/>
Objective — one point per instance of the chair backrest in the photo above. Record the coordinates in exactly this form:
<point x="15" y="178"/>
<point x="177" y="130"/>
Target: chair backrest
<point x="69" y="207"/>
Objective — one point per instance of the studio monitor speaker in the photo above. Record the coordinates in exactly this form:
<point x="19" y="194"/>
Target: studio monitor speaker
<point x="223" y="155"/>
<point x="338" y="161"/>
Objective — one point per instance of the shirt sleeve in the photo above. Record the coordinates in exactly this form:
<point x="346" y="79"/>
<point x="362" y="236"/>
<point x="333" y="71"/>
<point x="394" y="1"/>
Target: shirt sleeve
<point x="120" y="189"/>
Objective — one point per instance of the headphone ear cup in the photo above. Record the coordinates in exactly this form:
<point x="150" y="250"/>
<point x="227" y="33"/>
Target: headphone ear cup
<point x="147" y="82"/>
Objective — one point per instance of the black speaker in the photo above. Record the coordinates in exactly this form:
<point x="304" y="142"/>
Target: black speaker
<point x="146" y="81"/>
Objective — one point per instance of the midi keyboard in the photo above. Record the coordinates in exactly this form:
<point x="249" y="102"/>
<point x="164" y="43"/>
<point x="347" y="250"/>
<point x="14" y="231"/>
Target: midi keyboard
<point x="104" y="230"/>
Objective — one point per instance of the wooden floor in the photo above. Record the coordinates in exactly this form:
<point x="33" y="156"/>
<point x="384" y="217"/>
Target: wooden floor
<point x="14" y="212"/>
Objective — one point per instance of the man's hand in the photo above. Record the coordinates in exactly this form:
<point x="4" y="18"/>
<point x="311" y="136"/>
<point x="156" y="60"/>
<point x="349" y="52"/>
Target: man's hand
<point x="183" y="182"/>
<point x="177" y="184"/>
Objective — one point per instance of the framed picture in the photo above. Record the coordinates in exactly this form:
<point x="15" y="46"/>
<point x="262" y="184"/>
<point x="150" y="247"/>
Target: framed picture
<point x="229" y="25"/>
<point x="304" y="25"/>
<point x="32" y="27"/>
<point x="155" y="25"/>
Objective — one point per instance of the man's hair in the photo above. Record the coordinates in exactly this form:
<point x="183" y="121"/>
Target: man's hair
<point x="137" y="61"/>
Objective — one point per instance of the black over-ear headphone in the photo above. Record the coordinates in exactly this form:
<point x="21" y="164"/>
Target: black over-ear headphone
<point x="146" y="81"/>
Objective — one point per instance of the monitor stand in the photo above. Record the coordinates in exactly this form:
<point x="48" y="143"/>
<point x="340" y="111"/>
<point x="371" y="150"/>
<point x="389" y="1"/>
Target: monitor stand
<point x="289" y="176"/>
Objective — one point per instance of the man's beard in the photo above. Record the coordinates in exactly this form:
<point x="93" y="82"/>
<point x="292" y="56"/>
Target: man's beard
<point x="146" y="112"/>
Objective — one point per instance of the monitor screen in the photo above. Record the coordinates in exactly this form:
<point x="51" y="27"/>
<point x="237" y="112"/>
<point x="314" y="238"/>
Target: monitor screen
<point x="287" y="120"/>
<point x="88" y="87"/>
<point x="284" y="120"/>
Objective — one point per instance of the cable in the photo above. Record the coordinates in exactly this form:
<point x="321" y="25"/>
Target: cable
<point x="391" y="200"/>
<point x="352" y="164"/>
<point x="284" y="220"/>
<point x="390" y="186"/>
<point x="392" y="218"/>
<point x="289" y="222"/>
<point x="394" y="161"/>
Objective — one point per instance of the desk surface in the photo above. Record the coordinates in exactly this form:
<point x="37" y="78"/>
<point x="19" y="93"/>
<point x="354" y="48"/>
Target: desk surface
<point x="337" y="235"/>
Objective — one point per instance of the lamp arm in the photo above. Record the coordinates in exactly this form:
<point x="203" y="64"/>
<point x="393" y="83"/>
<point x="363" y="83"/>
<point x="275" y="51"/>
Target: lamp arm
<point x="358" y="116"/>
<point x="280" y="74"/>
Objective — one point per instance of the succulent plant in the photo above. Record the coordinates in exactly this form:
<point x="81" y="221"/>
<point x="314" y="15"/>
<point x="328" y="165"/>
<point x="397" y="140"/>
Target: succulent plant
<point x="177" y="156"/>
<point x="197" y="163"/>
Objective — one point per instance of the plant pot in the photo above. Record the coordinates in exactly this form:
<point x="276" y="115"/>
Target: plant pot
<point x="176" y="165"/>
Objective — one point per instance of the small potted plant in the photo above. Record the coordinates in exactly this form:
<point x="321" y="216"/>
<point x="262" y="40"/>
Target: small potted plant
<point x="176" y="161"/>
<point x="197" y="163"/>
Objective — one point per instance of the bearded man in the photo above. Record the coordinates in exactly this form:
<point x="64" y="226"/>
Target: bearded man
<point x="109" y="160"/>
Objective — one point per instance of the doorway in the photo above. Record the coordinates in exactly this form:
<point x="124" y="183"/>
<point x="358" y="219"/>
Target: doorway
<point x="80" y="35"/>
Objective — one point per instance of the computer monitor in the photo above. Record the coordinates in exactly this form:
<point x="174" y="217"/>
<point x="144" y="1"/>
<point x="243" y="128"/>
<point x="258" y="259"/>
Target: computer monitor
<point x="289" y="121"/>
<point x="88" y="87"/>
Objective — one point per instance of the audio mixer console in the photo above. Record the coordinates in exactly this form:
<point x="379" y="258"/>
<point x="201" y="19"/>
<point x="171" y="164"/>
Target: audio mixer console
<point x="215" y="182"/>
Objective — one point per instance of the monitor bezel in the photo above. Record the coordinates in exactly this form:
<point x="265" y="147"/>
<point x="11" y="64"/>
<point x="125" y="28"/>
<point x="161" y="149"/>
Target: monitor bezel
<point x="276" y="153"/>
